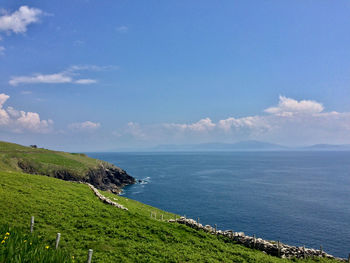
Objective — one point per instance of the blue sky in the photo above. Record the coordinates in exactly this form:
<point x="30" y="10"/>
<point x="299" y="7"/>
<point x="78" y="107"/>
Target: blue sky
<point x="105" y="75"/>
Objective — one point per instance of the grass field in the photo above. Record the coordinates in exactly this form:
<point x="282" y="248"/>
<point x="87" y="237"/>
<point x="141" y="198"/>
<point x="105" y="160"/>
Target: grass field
<point x="115" y="235"/>
<point x="20" y="246"/>
<point x="43" y="161"/>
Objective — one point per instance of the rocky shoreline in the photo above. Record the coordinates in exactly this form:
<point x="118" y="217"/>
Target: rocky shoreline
<point x="269" y="247"/>
<point x="108" y="177"/>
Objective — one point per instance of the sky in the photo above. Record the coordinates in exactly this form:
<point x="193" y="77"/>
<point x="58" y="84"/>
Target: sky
<point x="108" y="75"/>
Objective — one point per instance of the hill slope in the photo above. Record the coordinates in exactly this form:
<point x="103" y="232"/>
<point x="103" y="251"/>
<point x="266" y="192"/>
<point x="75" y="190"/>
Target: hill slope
<point x="115" y="235"/>
<point x="85" y="222"/>
<point x="62" y="165"/>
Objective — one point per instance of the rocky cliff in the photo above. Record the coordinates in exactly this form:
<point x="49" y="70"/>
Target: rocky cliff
<point x="63" y="165"/>
<point x="109" y="177"/>
<point x="105" y="176"/>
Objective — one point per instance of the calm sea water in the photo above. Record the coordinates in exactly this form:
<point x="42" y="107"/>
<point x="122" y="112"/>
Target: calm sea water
<point x="300" y="198"/>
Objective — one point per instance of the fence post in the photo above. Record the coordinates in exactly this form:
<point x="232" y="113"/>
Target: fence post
<point x="321" y="250"/>
<point x="216" y="228"/>
<point x="254" y="240"/>
<point x="304" y="254"/>
<point x="155" y="215"/>
<point x="58" y="239"/>
<point x="197" y="220"/>
<point x="89" y="256"/>
<point x="278" y="249"/>
<point x="162" y="217"/>
<point x="32" y="224"/>
<point x="349" y="258"/>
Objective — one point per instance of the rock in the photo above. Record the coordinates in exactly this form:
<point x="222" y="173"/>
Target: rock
<point x="104" y="199"/>
<point x="110" y="178"/>
<point x="267" y="247"/>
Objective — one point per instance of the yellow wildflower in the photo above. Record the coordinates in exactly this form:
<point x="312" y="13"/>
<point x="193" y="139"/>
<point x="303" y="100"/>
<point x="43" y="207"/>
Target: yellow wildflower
<point x="7" y="234"/>
<point x="25" y="241"/>
<point x="5" y="238"/>
<point x="2" y="242"/>
<point x="47" y="247"/>
<point x="30" y="243"/>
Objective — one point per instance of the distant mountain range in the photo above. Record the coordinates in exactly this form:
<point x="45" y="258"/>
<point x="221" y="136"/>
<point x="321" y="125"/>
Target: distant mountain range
<point x="248" y="146"/>
<point x="328" y="147"/>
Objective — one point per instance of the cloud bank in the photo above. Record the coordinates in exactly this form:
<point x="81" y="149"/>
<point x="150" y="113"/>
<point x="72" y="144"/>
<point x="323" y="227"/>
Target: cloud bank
<point x="20" y="121"/>
<point x="290" y="122"/>
<point x="289" y="107"/>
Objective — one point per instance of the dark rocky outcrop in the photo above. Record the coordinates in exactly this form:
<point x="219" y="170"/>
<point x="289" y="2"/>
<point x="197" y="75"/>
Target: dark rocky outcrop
<point x="106" y="176"/>
<point x="109" y="177"/>
<point x="27" y="167"/>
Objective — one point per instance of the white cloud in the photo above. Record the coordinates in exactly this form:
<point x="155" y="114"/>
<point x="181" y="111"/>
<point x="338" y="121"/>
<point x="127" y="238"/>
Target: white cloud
<point x="135" y="130"/>
<point x="257" y="123"/>
<point x="288" y="107"/>
<point x="85" y="81"/>
<point x="41" y="78"/>
<point x="13" y="112"/>
<point x="3" y="99"/>
<point x="66" y="76"/>
<point x="21" y="121"/>
<point x="84" y="126"/>
<point x="2" y="50"/>
<point x="31" y="121"/>
<point x="4" y="117"/>
<point x="122" y="29"/>
<point x="200" y="126"/>
<point x="76" y="68"/>
<point x="19" y="20"/>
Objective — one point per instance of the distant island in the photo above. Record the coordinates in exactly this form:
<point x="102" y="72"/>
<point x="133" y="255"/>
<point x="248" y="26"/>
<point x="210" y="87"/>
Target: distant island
<point x="250" y="145"/>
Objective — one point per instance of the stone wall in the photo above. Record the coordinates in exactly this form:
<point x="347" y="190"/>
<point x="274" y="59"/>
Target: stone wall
<point x="105" y="199"/>
<point x="269" y="247"/>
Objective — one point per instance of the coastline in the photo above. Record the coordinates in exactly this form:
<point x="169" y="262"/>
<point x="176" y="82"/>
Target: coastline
<point x="277" y="196"/>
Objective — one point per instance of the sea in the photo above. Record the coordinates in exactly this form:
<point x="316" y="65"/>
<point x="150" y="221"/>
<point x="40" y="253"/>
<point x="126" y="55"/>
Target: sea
<point x="300" y="198"/>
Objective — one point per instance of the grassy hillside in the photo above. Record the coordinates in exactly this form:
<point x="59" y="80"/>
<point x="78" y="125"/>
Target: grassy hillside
<point x="20" y="246"/>
<point x="115" y="235"/>
<point x="62" y="165"/>
<point x="43" y="161"/>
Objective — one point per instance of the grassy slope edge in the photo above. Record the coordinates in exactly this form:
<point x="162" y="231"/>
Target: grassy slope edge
<point x="44" y="161"/>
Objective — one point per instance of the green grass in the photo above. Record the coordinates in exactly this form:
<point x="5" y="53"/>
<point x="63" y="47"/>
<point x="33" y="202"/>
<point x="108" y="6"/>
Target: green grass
<point x="115" y="235"/>
<point x="43" y="161"/>
<point x="20" y="246"/>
